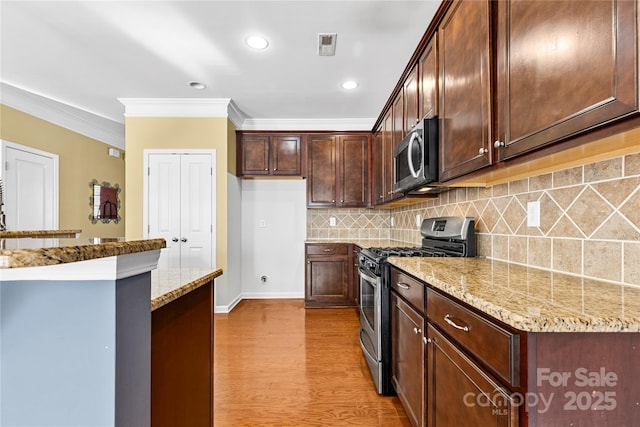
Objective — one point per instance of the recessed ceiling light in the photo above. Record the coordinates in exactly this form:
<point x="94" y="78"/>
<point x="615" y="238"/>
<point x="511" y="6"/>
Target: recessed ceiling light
<point x="197" y="85"/>
<point x="349" y="84"/>
<point x="257" y="42"/>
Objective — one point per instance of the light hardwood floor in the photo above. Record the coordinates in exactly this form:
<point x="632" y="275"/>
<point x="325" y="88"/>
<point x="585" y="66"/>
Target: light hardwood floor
<point x="279" y="364"/>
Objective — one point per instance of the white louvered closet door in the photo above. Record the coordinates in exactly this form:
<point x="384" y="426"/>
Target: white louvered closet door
<point x="180" y="208"/>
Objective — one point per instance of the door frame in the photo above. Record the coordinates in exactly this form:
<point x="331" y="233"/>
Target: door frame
<point x="4" y="145"/>
<point x="214" y="201"/>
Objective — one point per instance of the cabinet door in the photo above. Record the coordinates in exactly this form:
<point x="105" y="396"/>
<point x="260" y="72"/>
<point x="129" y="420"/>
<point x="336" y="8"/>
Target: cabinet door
<point x="378" y="174"/>
<point x="255" y="155"/>
<point x="428" y="82"/>
<point x="563" y="67"/>
<point x="285" y="155"/>
<point x="353" y="171"/>
<point x="411" y="98"/>
<point x="458" y="389"/>
<point x="327" y="281"/>
<point x="465" y="90"/>
<point x="392" y="129"/>
<point x="398" y="129"/>
<point x="321" y="171"/>
<point x="408" y="359"/>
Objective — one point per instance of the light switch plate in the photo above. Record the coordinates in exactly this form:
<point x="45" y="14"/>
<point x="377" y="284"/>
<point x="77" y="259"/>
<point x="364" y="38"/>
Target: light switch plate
<point x="533" y="214"/>
<point x="263" y="223"/>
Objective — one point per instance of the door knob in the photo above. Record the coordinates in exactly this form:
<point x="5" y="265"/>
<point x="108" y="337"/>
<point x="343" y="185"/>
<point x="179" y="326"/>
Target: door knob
<point x="184" y="239"/>
<point x="175" y="239"/>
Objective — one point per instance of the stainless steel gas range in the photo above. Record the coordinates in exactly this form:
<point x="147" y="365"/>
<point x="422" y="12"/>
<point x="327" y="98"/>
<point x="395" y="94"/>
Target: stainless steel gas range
<point x="441" y="237"/>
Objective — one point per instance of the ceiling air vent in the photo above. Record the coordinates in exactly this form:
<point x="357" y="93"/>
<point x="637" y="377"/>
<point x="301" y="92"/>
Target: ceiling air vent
<point x="327" y="44"/>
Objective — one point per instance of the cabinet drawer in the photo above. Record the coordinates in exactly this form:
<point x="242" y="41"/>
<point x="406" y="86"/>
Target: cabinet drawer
<point x="409" y="288"/>
<point x="491" y="344"/>
<point x="328" y="249"/>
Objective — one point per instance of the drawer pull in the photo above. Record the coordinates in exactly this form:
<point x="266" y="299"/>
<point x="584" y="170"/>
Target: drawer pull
<point x="328" y="250"/>
<point x="417" y="331"/>
<point x="403" y="285"/>
<point x="447" y="319"/>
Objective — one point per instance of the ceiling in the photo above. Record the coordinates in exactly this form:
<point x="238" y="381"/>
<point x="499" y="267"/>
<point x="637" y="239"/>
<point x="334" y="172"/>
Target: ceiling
<point x="87" y="54"/>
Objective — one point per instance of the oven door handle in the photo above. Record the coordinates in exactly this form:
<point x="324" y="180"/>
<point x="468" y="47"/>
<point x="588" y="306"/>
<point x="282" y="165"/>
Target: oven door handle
<point x="369" y="278"/>
<point x="364" y="348"/>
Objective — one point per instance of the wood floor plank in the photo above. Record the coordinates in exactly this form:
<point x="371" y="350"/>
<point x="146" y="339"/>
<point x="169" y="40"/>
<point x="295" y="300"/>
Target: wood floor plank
<point x="279" y="364"/>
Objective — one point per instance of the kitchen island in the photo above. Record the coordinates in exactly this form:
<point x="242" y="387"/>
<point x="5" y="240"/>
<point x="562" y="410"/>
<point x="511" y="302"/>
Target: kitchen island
<point x="182" y="304"/>
<point x="514" y="345"/>
<point x="79" y="319"/>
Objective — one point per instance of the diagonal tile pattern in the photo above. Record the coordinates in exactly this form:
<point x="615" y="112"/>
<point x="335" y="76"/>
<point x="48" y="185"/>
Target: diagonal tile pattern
<point x="589" y="225"/>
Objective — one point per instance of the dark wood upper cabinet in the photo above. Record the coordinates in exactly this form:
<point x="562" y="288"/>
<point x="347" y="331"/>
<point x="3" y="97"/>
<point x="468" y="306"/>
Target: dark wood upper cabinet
<point x="465" y="90"/>
<point x="377" y="154"/>
<point x="397" y="113"/>
<point x="428" y="82"/>
<point x="321" y="170"/>
<point x="286" y="156"/>
<point x="338" y="170"/>
<point x="254" y="155"/>
<point x="411" y="98"/>
<point x="562" y="68"/>
<point x="270" y="155"/>
<point x="353" y="171"/>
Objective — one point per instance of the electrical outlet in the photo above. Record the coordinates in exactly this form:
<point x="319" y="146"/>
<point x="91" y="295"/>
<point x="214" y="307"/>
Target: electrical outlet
<point x="418" y="220"/>
<point x="332" y="221"/>
<point x="263" y="223"/>
<point x="533" y="214"/>
<point x="392" y="222"/>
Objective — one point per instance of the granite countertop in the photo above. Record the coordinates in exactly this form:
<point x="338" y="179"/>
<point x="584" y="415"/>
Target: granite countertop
<point x="31" y="252"/>
<point x="531" y="299"/>
<point x="12" y="234"/>
<point x="365" y="243"/>
<point x="168" y="285"/>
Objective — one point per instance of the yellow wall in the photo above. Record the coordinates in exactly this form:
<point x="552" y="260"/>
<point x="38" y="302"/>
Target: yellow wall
<point x="180" y="133"/>
<point x="81" y="159"/>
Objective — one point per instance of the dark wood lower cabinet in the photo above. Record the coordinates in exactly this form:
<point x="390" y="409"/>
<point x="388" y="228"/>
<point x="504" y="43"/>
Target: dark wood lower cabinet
<point x="182" y="361"/>
<point x="328" y="271"/>
<point x="408" y="359"/>
<point x="460" y="392"/>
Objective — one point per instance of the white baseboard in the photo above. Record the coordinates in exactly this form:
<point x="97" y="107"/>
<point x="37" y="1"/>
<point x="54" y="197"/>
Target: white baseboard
<point x="224" y="309"/>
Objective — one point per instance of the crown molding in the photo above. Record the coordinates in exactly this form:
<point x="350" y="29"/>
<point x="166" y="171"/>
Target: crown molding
<point x="308" y="124"/>
<point x="183" y="107"/>
<point x="64" y="115"/>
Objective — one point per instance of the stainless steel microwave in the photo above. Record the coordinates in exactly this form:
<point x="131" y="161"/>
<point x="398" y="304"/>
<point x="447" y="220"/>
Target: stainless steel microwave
<point x="415" y="159"/>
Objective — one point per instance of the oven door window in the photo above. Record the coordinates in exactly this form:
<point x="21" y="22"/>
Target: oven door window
<point x="369" y="300"/>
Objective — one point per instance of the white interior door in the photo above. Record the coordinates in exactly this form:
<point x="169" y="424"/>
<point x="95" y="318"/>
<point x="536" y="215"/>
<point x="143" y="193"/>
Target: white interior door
<point x="180" y="207"/>
<point x="164" y="206"/>
<point x="31" y="186"/>
<point x="196" y="227"/>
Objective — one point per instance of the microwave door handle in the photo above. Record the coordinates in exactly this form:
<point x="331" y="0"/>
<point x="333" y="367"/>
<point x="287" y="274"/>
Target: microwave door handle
<point x="412" y="169"/>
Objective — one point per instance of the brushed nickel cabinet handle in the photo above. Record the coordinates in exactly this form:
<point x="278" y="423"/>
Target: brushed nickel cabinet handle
<point x="498" y="144"/>
<point x="417" y="331"/>
<point x="447" y="319"/>
<point x="328" y="250"/>
<point x="483" y="150"/>
<point x="403" y="285"/>
<point x="426" y="340"/>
